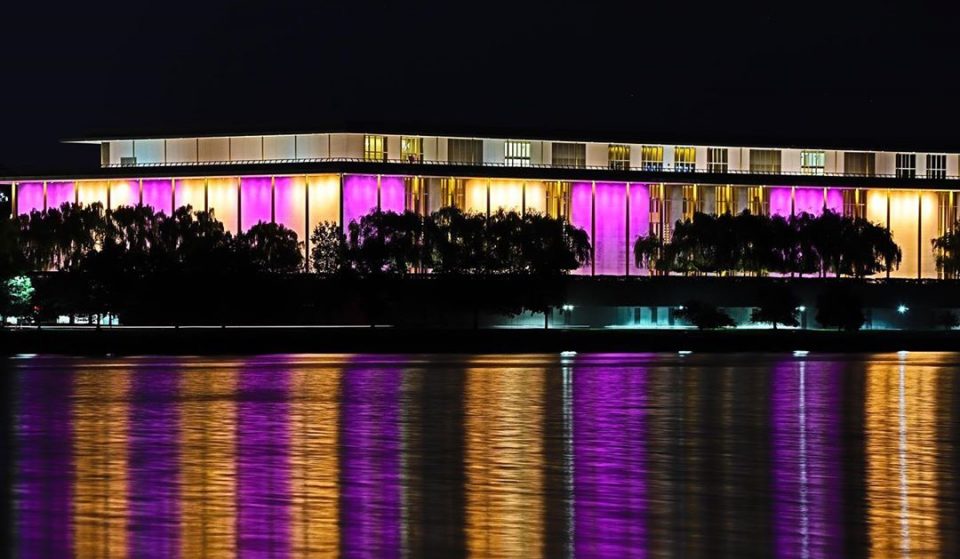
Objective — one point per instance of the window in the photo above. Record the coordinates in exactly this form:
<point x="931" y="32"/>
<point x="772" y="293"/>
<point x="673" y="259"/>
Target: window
<point x="725" y="200"/>
<point x="936" y="166"/>
<point x="685" y="159"/>
<point x="618" y="157"/>
<point x="717" y="160"/>
<point x="766" y="161"/>
<point x="812" y="162"/>
<point x="411" y="149"/>
<point x="651" y="158"/>
<point x="906" y="165"/>
<point x="466" y="152"/>
<point x="570" y="155"/>
<point x="374" y="148"/>
<point x="860" y="163"/>
<point x="516" y="154"/>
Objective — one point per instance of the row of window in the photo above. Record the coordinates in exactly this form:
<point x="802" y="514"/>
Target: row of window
<point x="567" y="154"/>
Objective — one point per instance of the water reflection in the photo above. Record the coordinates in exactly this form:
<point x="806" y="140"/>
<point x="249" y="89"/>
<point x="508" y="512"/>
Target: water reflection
<point x="492" y="456"/>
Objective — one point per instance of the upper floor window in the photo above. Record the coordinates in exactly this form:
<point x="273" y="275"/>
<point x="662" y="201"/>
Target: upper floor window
<point x="936" y="166"/>
<point x="569" y="155"/>
<point x="765" y="161"/>
<point x="717" y="160"/>
<point x="651" y="158"/>
<point x="618" y="157"/>
<point x="374" y="148"/>
<point x="685" y="159"/>
<point x="463" y="151"/>
<point x="812" y="162"/>
<point x="411" y="149"/>
<point x="516" y="154"/>
<point x="859" y="163"/>
<point x="906" y="165"/>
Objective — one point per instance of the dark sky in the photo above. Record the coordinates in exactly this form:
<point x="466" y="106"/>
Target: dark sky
<point x="879" y="75"/>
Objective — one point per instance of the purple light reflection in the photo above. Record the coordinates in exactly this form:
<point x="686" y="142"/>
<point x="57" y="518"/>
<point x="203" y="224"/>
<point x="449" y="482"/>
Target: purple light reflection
<point x="581" y="214"/>
<point x="43" y="486"/>
<point x="806" y="460"/>
<point x="263" y="463"/>
<point x="255" y="201"/>
<point x="154" y="506"/>
<point x="371" y="446"/>
<point x="392" y="194"/>
<point x="158" y="194"/>
<point x="639" y="216"/>
<point x="29" y="197"/>
<point x="60" y="193"/>
<point x="610" y="493"/>
<point x="780" y="203"/>
<point x="611" y="229"/>
<point x="359" y="197"/>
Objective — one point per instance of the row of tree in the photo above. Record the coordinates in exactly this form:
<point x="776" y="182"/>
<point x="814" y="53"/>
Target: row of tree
<point x="828" y="244"/>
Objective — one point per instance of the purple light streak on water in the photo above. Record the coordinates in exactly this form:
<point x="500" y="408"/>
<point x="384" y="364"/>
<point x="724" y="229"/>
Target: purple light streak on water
<point x="255" y="198"/>
<point x="153" y="469"/>
<point x="611" y="243"/>
<point x="263" y="463"/>
<point x="59" y="193"/>
<point x="780" y="201"/>
<point x="157" y="195"/>
<point x="29" y="197"/>
<point x="610" y="493"/>
<point x="370" y="484"/>
<point x="581" y="213"/>
<point x="639" y="217"/>
<point x="359" y="197"/>
<point x="392" y="194"/>
<point x="806" y="460"/>
<point x="42" y="490"/>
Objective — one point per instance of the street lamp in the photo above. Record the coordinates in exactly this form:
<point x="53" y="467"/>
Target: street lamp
<point x="902" y="309"/>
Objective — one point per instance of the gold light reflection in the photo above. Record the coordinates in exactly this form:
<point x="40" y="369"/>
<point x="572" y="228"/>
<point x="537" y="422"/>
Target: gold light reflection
<point x="100" y="461"/>
<point x="506" y="195"/>
<point x="535" y="197"/>
<point x="314" y="461"/>
<point x="124" y="193"/>
<point x="222" y="198"/>
<point x="324" y="199"/>
<point x="190" y="192"/>
<point x="89" y="192"/>
<point x="475" y="194"/>
<point x="207" y="463"/>
<point x="901" y="435"/>
<point x="504" y="462"/>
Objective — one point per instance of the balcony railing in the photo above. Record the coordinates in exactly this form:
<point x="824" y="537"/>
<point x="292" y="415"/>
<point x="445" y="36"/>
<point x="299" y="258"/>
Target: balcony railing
<point x="680" y="168"/>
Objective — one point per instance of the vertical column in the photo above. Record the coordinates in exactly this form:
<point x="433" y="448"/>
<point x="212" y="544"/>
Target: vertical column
<point x="593" y="228"/>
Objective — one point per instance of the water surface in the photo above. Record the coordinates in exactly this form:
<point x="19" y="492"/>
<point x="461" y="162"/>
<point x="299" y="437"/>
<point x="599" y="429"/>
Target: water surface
<point x="485" y="456"/>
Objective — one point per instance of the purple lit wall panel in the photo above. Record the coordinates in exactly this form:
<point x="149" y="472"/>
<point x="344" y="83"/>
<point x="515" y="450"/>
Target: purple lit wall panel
<point x="42" y="491"/>
<point x="609" y="483"/>
<point x="59" y="193"/>
<point x="780" y="203"/>
<point x="29" y="197"/>
<point x="808" y="200"/>
<point x="255" y="201"/>
<point x="359" y="197"/>
<point x="581" y="213"/>
<point x="835" y="200"/>
<point x="154" y="511"/>
<point x="639" y="217"/>
<point x="263" y="463"/>
<point x="392" y="194"/>
<point x="806" y="460"/>
<point x="610" y="245"/>
<point x="158" y="195"/>
<point x="370" y="497"/>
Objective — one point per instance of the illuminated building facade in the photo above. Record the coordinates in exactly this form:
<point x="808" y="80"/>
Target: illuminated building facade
<point x="615" y="191"/>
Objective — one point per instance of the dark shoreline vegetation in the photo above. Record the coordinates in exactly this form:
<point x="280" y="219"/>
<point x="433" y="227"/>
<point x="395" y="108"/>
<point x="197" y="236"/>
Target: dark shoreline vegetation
<point x="448" y="269"/>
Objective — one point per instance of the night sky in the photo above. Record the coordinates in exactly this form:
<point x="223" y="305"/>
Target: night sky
<point x="882" y="75"/>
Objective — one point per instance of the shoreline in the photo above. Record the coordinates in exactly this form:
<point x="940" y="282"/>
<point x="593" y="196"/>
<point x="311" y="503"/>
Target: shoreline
<point x="247" y="340"/>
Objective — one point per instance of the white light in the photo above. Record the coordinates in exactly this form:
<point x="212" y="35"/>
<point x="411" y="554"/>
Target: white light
<point x="684" y="352"/>
<point x="802" y="308"/>
<point x="681" y="307"/>
<point x="902" y="309"/>
<point x="902" y="353"/>
<point x="568" y="353"/>
<point x="568" y="307"/>
<point x="800" y="352"/>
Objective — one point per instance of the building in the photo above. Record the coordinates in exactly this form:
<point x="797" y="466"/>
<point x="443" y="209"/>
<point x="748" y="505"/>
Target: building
<point x="615" y="191"/>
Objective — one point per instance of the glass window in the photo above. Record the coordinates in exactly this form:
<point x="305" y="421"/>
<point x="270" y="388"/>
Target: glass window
<point x="618" y="157"/>
<point x="374" y="148"/>
<point x="651" y="158"/>
<point x="466" y="152"/>
<point x="766" y="161"/>
<point x="685" y="159"/>
<point x="859" y="163"/>
<point x="569" y="155"/>
<point x="812" y="162"/>
<point x="411" y="149"/>
<point x="936" y="166"/>
<point x="717" y="160"/>
<point x="516" y="154"/>
<point x="906" y="165"/>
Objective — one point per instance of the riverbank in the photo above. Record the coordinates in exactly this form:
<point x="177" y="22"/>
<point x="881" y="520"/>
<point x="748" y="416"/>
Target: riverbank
<point x="255" y="340"/>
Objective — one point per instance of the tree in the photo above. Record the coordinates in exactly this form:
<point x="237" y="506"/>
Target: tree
<point x="328" y="249"/>
<point x="16" y="298"/>
<point x="947" y="320"/>
<point x="704" y="316"/>
<point x="270" y="248"/>
<point x="646" y="250"/>
<point x="840" y="308"/>
<point x="12" y="259"/>
<point x="948" y="252"/>
<point x="777" y="306"/>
